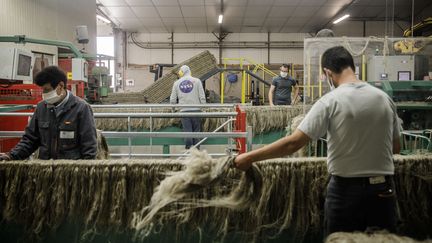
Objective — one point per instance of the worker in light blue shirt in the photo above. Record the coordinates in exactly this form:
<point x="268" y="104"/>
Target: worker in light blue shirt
<point x="363" y="131"/>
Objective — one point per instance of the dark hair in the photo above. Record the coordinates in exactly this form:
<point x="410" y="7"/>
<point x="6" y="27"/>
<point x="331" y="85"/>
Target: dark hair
<point x="337" y="59"/>
<point x="285" y="66"/>
<point x="52" y="75"/>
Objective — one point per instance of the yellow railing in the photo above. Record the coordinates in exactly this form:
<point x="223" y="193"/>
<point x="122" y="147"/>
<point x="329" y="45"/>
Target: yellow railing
<point x="245" y="85"/>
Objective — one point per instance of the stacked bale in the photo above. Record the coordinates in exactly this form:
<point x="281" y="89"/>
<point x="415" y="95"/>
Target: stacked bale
<point x="104" y="195"/>
<point x="161" y="89"/>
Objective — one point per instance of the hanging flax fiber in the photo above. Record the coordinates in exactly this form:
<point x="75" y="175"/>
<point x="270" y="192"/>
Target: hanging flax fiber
<point x="201" y="171"/>
<point x="109" y="195"/>
<point x="160" y="90"/>
<point x="102" y="146"/>
<point x="261" y="118"/>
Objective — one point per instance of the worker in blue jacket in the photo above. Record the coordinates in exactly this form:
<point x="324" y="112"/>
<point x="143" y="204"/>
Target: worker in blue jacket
<point x="62" y="126"/>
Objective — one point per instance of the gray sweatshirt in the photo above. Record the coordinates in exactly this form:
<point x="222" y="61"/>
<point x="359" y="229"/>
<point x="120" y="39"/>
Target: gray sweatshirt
<point x="188" y="90"/>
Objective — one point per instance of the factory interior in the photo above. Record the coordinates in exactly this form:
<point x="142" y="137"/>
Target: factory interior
<point x="165" y="156"/>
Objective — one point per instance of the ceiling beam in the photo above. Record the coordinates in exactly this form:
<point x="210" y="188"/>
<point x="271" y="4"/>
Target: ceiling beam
<point x="377" y="19"/>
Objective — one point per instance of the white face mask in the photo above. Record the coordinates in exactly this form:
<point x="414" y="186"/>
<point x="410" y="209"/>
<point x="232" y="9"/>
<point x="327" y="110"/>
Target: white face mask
<point x="330" y="82"/>
<point x="51" y="97"/>
<point x="283" y="74"/>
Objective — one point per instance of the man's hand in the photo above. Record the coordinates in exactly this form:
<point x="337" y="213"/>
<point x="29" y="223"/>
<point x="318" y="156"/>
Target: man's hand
<point x="5" y="157"/>
<point x="241" y="162"/>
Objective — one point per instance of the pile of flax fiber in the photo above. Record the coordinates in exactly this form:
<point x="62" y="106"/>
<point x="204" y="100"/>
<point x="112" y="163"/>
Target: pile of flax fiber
<point x="107" y="197"/>
<point x="201" y="171"/>
<point x="375" y="237"/>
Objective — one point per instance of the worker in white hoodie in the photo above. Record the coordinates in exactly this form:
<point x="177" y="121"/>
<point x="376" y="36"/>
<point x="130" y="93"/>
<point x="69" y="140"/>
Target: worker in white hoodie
<point x="188" y="90"/>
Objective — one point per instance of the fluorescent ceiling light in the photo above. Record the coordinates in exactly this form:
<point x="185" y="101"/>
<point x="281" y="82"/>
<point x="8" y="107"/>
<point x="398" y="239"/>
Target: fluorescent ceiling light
<point x="341" y="18"/>
<point x="220" y="18"/>
<point x="103" y="19"/>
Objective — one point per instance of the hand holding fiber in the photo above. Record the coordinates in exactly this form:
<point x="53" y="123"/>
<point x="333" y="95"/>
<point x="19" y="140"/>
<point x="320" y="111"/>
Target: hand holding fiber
<point x="4" y="157"/>
<point x="241" y="162"/>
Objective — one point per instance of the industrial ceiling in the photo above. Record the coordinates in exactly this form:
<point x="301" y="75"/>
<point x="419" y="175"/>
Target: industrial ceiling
<point x="250" y="16"/>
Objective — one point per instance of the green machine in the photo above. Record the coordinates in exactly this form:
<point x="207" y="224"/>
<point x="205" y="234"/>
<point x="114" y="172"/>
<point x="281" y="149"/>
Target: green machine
<point x="98" y="84"/>
<point x="104" y="77"/>
<point x="413" y="100"/>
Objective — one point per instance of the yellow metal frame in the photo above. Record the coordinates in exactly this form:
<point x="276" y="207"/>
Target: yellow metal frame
<point x="245" y="85"/>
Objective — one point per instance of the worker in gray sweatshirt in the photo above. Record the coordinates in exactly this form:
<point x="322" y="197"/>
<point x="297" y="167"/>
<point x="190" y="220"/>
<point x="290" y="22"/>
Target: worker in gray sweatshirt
<point x="188" y="90"/>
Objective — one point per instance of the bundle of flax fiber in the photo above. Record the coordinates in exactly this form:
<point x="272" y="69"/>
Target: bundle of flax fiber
<point x="261" y="118"/>
<point x="201" y="171"/>
<point x="161" y="89"/>
<point x="374" y="237"/>
<point x="114" y="197"/>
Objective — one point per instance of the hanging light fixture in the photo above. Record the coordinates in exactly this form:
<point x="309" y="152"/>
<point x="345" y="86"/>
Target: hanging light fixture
<point x="341" y="18"/>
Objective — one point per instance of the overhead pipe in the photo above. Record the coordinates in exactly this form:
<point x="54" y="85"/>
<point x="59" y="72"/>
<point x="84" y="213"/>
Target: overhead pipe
<point x="22" y="39"/>
<point x="216" y="42"/>
<point x="224" y="44"/>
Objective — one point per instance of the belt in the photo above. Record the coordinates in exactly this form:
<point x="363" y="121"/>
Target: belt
<point x="371" y="180"/>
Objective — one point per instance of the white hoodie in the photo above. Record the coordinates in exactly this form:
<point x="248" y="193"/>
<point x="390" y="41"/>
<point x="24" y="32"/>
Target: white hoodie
<point x="188" y="90"/>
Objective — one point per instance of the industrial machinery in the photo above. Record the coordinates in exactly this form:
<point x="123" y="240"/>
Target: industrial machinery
<point x="157" y="69"/>
<point x="400" y="76"/>
<point x="16" y="98"/>
<point x="17" y="93"/>
<point x="423" y="28"/>
<point x="399" y="67"/>
<point x="77" y="70"/>
<point x="413" y="101"/>
<point x="98" y="84"/>
<point x="16" y="65"/>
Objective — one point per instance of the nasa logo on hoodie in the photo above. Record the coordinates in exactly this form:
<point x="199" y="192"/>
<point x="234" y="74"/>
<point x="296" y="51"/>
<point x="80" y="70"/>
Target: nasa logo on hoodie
<point x="186" y="86"/>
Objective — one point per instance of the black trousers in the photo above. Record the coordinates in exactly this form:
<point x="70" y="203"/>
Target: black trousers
<point x="191" y="124"/>
<point x="357" y="204"/>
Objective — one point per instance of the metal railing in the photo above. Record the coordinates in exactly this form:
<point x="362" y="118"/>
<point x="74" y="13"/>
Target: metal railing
<point x="142" y="115"/>
<point x="165" y="106"/>
<point x="415" y="142"/>
<point x="151" y="134"/>
<point x="321" y="148"/>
